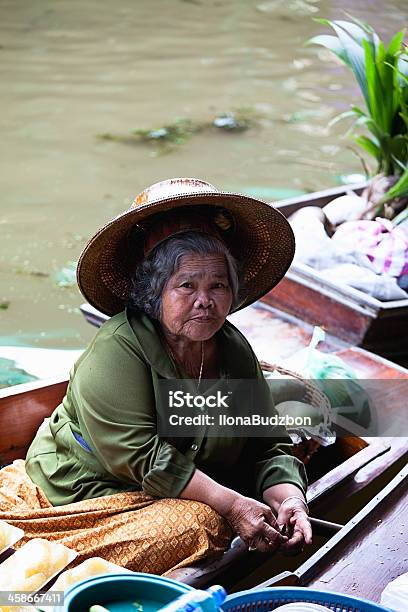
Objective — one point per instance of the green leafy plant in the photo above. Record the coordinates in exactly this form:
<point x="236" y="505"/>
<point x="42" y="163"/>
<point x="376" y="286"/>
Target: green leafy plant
<point x="382" y="76"/>
<point x="399" y="190"/>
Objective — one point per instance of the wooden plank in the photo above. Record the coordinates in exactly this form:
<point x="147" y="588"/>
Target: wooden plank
<point x="367" y="365"/>
<point x="362" y="302"/>
<point x="378" y="466"/>
<point x="345" y="312"/>
<point x="22" y="410"/>
<point x="368" y="478"/>
<point x="319" y="308"/>
<point x="380" y="533"/>
<point x="345" y="294"/>
<point x="31" y="389"/>
<point x="330" y="481"/>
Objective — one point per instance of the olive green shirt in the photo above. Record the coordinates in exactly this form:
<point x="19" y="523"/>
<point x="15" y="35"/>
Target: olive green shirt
<point x="102" y="438"/>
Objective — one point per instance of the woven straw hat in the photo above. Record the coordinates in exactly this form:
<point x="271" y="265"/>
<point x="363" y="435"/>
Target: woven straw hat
<point x="257" y="234"/>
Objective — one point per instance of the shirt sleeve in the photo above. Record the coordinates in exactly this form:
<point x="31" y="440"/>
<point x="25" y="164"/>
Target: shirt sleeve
<point x="274" y="461"/>
<point x="113" y="393"/>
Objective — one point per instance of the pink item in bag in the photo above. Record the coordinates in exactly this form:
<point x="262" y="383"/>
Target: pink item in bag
<point x="384" y="244"/>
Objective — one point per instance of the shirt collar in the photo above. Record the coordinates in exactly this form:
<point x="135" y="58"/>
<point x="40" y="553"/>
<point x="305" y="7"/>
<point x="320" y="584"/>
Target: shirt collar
<point x="234" y="350"/>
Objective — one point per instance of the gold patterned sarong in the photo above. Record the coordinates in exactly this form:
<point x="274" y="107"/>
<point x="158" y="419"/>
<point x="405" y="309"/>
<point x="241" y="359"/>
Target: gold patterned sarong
<point x="132" y="529"/>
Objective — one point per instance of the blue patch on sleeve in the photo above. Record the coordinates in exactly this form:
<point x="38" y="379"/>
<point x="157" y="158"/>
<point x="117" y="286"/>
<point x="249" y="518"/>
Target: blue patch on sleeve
<point x="82" y="442"/>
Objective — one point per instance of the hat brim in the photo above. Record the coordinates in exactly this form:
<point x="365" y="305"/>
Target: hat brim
<point x="263" y="243"/>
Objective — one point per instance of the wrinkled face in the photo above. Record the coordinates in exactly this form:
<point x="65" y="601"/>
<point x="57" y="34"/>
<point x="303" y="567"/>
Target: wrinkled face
<point x="197" y="297"/>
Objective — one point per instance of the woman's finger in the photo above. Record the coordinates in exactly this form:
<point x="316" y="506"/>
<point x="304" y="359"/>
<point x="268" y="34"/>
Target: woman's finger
<point x="302" y="523"/>
<point x="294" y="544"/>
<point x="284" y="515"/>
<point x="307" y="531"/>
<point x="297" y="538"/>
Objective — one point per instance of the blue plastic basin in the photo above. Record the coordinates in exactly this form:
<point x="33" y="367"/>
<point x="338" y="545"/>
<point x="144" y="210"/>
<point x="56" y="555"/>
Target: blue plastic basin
<point x="120" y="592"/>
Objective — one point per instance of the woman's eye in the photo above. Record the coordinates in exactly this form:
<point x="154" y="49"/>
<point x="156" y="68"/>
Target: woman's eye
<point x="219" y="286"/>
<point x="187" y="285"/>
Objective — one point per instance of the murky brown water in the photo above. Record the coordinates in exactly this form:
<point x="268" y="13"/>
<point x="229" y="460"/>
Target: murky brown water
<point x="72" y="70"/>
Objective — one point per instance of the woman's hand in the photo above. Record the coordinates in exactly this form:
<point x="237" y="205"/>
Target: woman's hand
<point x="255" y="523"/>
<point x="293" y="520"/>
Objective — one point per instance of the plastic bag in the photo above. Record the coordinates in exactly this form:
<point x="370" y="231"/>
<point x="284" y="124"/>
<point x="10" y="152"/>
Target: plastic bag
<point x="66" y="277"/>
<point x="345" y="208"/>
<point x="384" y="244"/>
<point x="367" y="255"/>
<point x="321" y="252"/>
<point x="291" y="400"/>
<point x="337" y="381"/>
<point x="380" y="286"/>
<point x="395" y="594"/>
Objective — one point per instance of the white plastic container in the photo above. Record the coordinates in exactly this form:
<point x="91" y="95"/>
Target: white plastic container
<point x="395" y="594"/>
<point x="301" y="606"/>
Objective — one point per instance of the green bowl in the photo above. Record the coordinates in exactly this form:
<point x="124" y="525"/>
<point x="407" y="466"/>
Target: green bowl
<point x="123" y="593"/>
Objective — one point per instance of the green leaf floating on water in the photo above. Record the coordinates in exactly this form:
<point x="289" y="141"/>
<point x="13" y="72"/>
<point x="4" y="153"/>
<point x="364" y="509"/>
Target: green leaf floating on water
<point x="178" y="132"/>
<point x="10" y="374"/>
<point x="66" y="277"/>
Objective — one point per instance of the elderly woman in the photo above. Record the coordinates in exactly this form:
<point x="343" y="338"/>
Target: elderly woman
<point x="170" y="270"/>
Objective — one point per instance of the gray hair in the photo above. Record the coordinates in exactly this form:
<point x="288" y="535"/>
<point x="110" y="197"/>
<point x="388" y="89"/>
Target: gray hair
<point x="152" y="274"/>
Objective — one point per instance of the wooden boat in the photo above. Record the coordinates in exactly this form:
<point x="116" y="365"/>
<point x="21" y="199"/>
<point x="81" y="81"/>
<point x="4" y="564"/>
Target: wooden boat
<point x="349" y="314"/>
<point x="343" y="476"/>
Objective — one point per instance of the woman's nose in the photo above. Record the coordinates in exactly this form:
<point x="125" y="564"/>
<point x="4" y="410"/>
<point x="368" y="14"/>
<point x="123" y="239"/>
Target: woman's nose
<point x="203" y="300"/>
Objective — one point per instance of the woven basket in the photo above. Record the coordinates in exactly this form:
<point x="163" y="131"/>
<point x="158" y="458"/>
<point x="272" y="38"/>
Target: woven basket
<point x="315" y="397"/>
